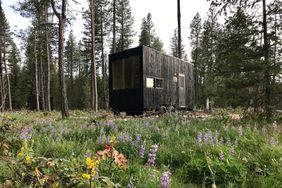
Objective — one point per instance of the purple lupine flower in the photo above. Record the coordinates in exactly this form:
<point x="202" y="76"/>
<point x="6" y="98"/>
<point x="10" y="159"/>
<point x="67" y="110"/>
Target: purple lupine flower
<point x="87" y="154"/>
<point x="274" y="126"/>
<point x="111" y="124"/>
<point x="165" y="180"/>
<point x="200" y="138"/>
<point x="228" y="141"/>
<point x="240" y="131"/>
<point x="221" y="156"/>
<point x="152" y="155"/>
<point x="210" y="135"/>
<point x="142" y="150"/>
<point x="272" y="141"/>
<point x="232" y="151"/>
<point x="221" y="140"/>
<point x="215" y="138"/>
<point x="206" y="138"/>
<point x="26" y="134"/>
<point x="100" y="139"/>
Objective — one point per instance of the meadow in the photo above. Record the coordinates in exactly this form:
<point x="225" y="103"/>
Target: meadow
<point x="40" y="149"/>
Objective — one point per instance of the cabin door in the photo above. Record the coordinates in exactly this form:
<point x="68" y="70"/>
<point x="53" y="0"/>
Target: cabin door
<point x="181" y="91"/>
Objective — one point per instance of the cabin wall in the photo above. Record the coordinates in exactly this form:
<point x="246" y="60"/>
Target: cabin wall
<point x="159" y="65"/>
<point x="127" y="95"/>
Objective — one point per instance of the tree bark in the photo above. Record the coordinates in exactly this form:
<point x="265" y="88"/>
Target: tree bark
<point x="94" y="95"/>
<point x="2" y="104"/>
<point x="114" y="27"/>
<point x="267" y="76"/>
<point x="41" y="80"/>
<point x="36" y="75"/>
<point x="179" y="29"/>
<point x="7" y="75"/>
<point x="103" y="66"/>
<point x="48" y="63"/>
<point x="62" y="20"/>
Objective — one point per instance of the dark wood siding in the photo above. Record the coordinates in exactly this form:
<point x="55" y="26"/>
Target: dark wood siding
<point x="159" y="65"/>
<point x="130" y="99"/>
<point x="163" y="69"/>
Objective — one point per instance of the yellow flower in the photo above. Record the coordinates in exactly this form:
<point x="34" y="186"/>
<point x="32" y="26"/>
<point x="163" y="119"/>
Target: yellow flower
<point x="86" y="176"/>
<point x="27" y="160"/>
<point x="20" y="154"/>
<point x="91" y="163"/>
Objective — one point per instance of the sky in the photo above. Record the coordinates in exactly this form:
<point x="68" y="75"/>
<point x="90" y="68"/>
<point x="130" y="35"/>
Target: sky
<point x="164" y="17"/>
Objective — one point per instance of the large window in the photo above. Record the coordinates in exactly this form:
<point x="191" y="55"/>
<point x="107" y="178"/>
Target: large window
<point x="126" y="73"/>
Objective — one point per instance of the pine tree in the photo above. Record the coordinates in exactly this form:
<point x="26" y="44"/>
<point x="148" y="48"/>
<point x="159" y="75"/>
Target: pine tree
<point x="174" y="45"/>
<point x="124" y="25"/>
<point x="5" y="89"/>
<point x="195" y="37"/>
<point x="148" y="36"/>
<point x="18" y="100"/>
<point x="62" y="21"/>
<point x="207" y="56"/>
<point x="266" y="52"/>
<point x="72" y="59"/>
<point x="238" y="64"/>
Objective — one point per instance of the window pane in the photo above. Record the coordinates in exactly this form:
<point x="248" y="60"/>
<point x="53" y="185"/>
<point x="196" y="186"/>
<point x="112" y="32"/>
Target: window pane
<point x="126" y="73"/>
<point x="158" y="83"/>
<point x="149" y="82"/>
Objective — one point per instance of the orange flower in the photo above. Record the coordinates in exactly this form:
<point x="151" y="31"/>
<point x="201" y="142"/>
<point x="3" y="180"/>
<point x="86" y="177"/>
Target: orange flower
<point x="120" y="160"/>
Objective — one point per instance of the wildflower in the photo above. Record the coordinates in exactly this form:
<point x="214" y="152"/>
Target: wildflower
<point x="91" y="163"/>
<point x="87" y="154"/>
<point x="274" y="126"/>
<point x="20" y="154"/>
<point x="228" y="141"/>
<point x="165" y="180"/>
<point x="100" y="139"/>
<point x="215" y="138"/>
<point x="142" y="150"/>
<point x="221" y="140"/>
<point x="206" y="138"/>
<point x="240" y="131"/>
<point x="221" y="156"/>
<point x="152" y="155"/>
<point x="27" y="160"/>
<point x="199" y="138"/>
<point x="272" y="141"/>
<point x="26" y="134"/>
<point x="232" y="151"/>
<point x="86" y="176"/>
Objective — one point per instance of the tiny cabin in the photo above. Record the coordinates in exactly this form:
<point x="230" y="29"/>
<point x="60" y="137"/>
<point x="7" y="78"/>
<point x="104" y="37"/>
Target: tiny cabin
<point x="142" y="79"/>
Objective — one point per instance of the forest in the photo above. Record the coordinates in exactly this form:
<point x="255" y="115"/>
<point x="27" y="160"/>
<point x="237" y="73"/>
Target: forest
<point x="237" y="62"/>
<point x="56" y="128"/>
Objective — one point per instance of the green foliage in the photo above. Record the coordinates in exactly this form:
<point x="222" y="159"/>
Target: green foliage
<point x="174" y="49"/>
<point x="147" y="36"/>
<point x="45" y="150"/>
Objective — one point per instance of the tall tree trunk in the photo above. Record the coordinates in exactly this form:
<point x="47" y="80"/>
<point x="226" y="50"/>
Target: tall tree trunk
<point x="103" y="66"/>
<point x="122" y="28"/>
<point x="114" y="27"/>
<point x="36" y="75"/>
<point x="7" y="75"/>
<point x="48" y="63"/>
<point x="41" y="80"/>
<point x="2" y="101"/>
<point x="267" y="76"/>
<point x="179" y="29"/>
<point x="94" y="95"/>
<point x="62" y="20"/>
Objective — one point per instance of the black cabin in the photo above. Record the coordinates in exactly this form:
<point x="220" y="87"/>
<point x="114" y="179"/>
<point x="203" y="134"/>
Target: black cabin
<point x="143" y="79"/>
